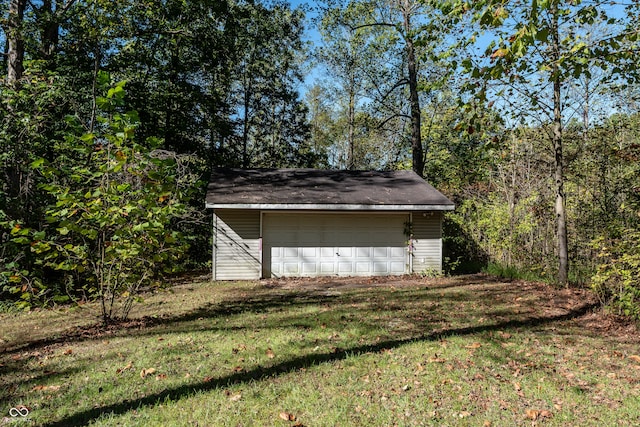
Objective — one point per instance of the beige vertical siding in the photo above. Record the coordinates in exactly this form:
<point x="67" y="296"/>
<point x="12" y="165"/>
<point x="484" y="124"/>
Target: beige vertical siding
<point x="427" y="245"/>
<point x="236" y="251"/>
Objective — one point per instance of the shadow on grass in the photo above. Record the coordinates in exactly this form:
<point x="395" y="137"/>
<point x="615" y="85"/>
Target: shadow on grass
<point x="307" y="361"/>
<point x="258" y="304"/>
<point x="271" y="297"/>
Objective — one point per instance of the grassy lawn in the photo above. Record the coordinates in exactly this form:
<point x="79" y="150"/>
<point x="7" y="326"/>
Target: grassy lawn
<point x="467" y="350"/>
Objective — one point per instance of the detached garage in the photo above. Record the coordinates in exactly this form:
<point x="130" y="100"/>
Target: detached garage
<point x="308" y="222"/>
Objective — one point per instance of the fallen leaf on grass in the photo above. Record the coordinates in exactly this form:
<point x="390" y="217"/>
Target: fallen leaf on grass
<point x="545" y="414"/>
<point x="474" y="346"/>
<point x="46" y="388"/>
<point x="534" y="414"/>
<point x="68" y="351"/>
<point x="235" y="397"/>
<point x="287" y="416"/>
<point x="238" y="369"/>
<point x="161" y="377"/>
<point x="270" y="353"/>
<point x="241" y="347"/>
<point x="146" y="372"/>
<point x="436" y="359"/>
<point x="518" y="389"/>
<point x="126" y="368"/>
<point x="635" y="358"/>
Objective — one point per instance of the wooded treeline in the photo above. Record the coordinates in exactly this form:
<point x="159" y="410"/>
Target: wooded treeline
<point x="114" y="113"/>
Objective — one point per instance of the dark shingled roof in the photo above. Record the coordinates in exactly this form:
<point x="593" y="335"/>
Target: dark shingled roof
<point x="321" y="189"/>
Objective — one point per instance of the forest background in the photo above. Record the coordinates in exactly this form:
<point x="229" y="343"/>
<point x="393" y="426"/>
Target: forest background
<point x="114" y="112"/>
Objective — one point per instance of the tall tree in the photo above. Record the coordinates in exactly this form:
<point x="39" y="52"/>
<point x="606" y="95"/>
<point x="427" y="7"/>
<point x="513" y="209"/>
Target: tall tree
<point x="409" y="36"/>
<point x="15" y="41"/>
<point x="264" y="94"/>
<point x="344" y="53"/>
<point x="538" y="49"/>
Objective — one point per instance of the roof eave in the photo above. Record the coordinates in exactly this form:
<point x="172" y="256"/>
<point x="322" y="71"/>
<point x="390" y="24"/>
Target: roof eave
<point x="329" y="207"/>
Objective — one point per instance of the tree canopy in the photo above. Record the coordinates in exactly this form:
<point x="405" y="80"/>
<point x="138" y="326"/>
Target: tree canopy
<point x="115" y="112"/>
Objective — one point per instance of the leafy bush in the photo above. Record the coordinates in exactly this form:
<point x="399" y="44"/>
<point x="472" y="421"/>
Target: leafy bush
<point x="109" y="230"/>
<point x="617" y="279"/>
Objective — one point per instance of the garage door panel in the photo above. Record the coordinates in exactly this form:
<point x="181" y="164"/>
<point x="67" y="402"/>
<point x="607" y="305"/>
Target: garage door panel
<point x="291" y="268"/>
<point x="397" y="267"/>
<point x="396" y="252"/>
<point x="334" y="244"/>
<point x="291" y="253"/>
<point x="308" y="252"/>
<point x="309" y="268"/>
<point x="363" y="253"/>
<point x="380" y="252"/>
<point x="327" y="252"/>
<point x="327" y="268"/>
<point x="380" y="267"/>
<point x="363" y="267"/>
<point x="276" y="252"/>
<point x="345" y="252"/>
<point x="345" y="267"/>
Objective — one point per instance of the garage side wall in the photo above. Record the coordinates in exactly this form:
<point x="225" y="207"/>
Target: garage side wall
<point x="236" y="244"/>
<point x="427" y="241"/>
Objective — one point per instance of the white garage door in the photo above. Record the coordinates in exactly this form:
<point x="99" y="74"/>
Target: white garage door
<point x="298" y="245"/>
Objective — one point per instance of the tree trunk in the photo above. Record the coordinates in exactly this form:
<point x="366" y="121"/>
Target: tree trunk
<point x="15" y="42"/>
<point x="414" y="100"/>
<point x="49" y="33"/>
<point x="560" y="206"/>
<point x="245" y="126"/>
<point x="5" y="55"/>
<point x="351" y="130"/>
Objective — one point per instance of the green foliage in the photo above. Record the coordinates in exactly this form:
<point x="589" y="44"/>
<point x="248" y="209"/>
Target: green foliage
<point x="511" y="272"/>
<point x="109" y="225"/>
<point x="617" y="279"/>
<point x="108" y="231"/>
<point x="460" y="250"/>
<point x="28" y="131"/>
<point x="431" y="273"/>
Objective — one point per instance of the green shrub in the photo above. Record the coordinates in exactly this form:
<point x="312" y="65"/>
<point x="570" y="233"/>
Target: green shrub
<point x="617" y="279"/>
<point x="509" y="272"/>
